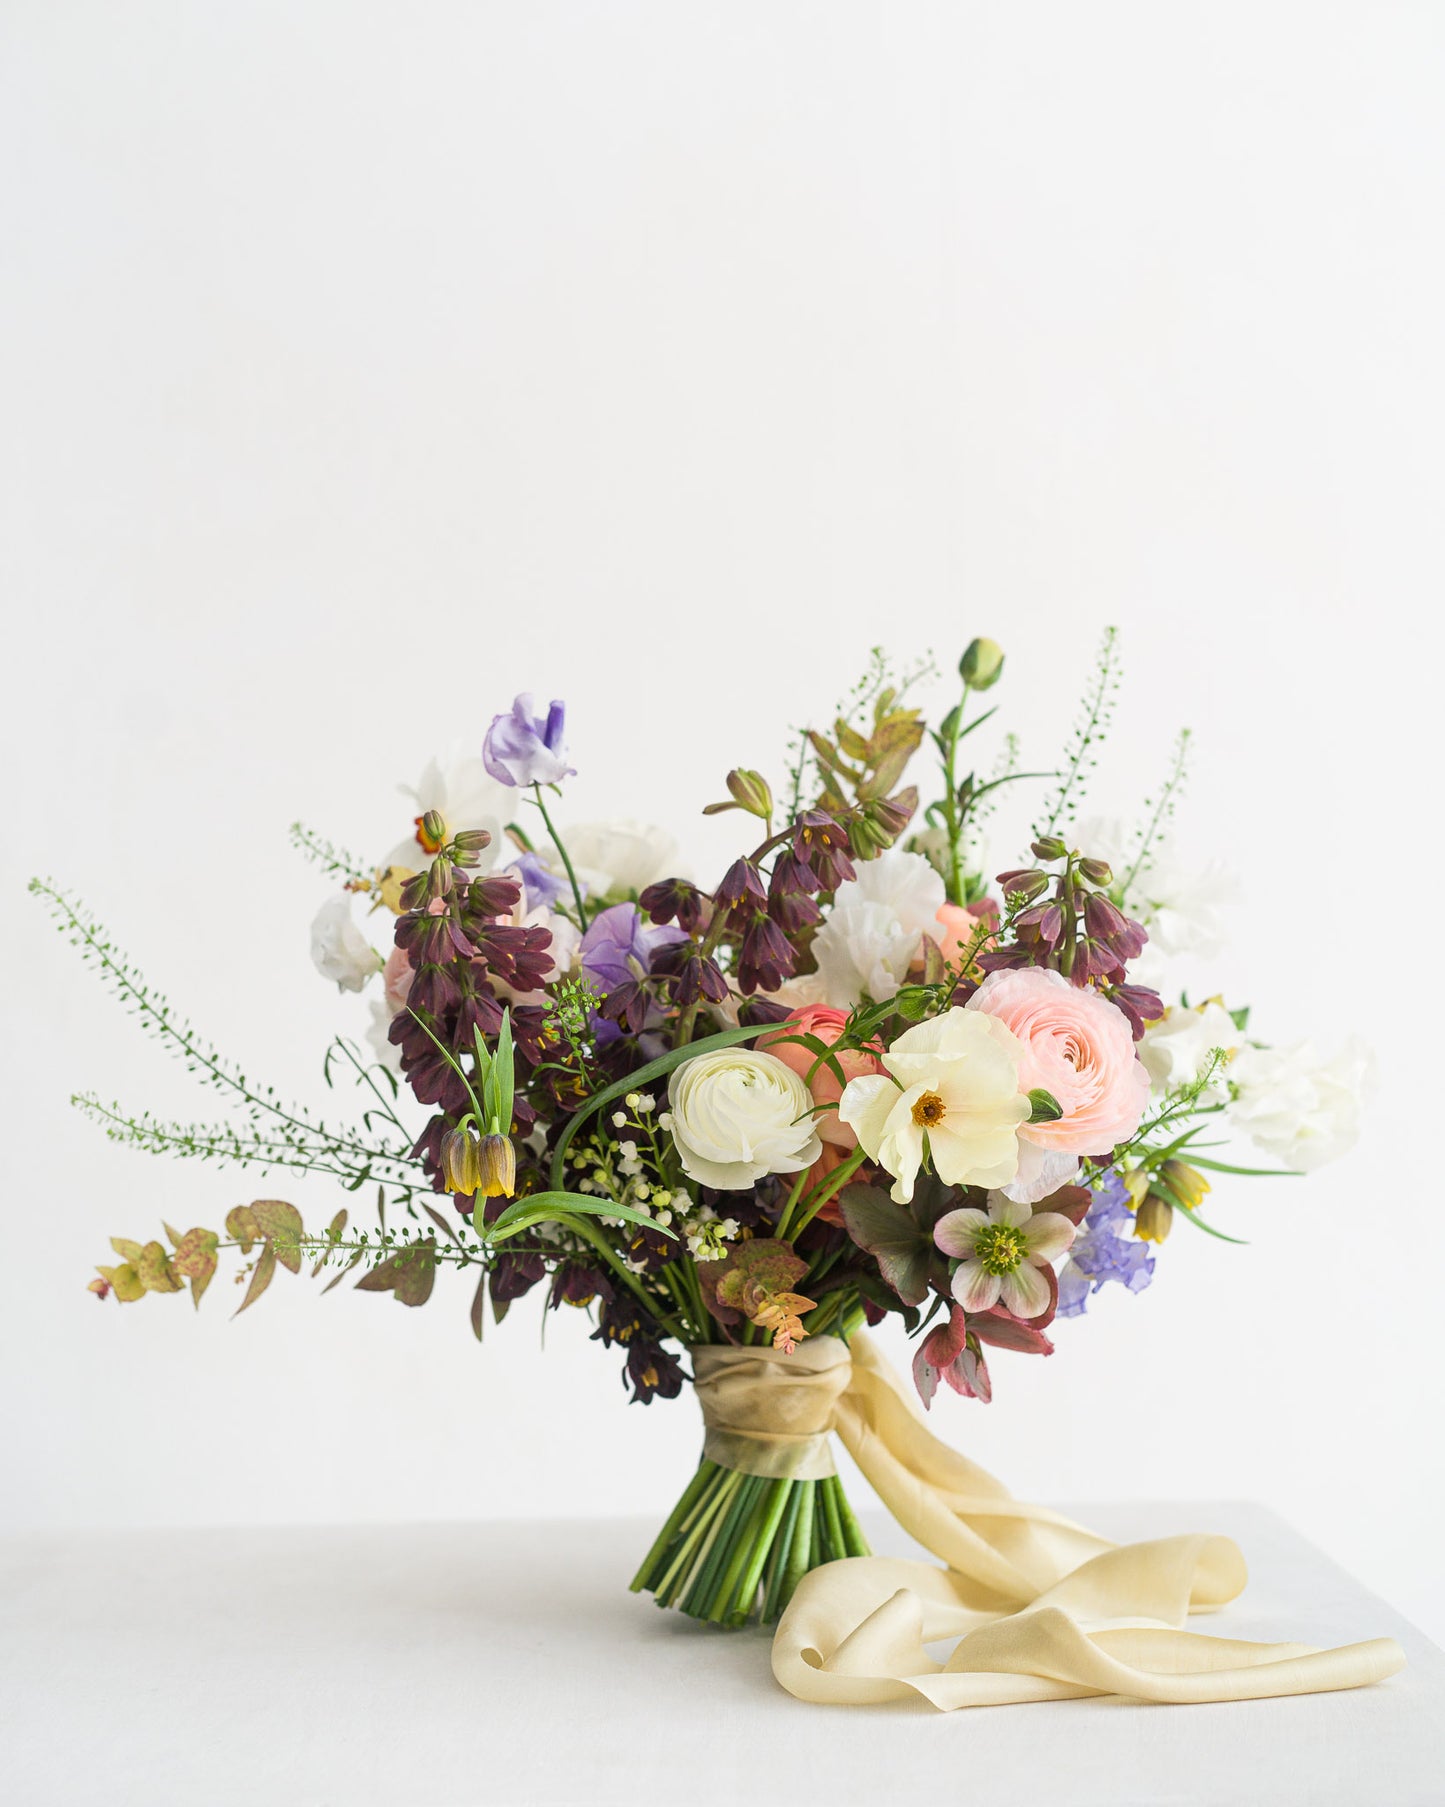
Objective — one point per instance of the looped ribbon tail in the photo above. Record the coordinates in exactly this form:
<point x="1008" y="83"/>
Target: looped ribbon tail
<point x="1041" y="1608"/>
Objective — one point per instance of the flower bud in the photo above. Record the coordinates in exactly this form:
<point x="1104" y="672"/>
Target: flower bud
<point x="1098" y="872"/>
<point x="1136" y="1184"/>
<point x="471" y="840"/>
<point x="750" y="790"/>
<point x="1187" y="1183"/>
<point x="1048" y="847"/>
<point x="461" y="1171"/>
<point x="891" y="815"/>
<point x="431" y="831"/>
<point x="1154" y="1219"/>
<point x="497" y="1167"/>
<point x="1027" y="885"/>
<point x="982" y="664"/>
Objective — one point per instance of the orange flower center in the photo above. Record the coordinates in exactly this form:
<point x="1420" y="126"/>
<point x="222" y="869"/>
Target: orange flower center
<point x="928" y="1110"/>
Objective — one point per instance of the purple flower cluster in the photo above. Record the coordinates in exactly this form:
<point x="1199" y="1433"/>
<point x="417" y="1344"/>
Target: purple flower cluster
<point x="1104" y="1249"/>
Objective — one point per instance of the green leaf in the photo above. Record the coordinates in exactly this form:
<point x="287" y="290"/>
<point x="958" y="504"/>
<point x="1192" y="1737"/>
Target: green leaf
<point x="195" y="1258"/>
<point x="409" y="1274"/>
<point x="1198" y="1222"/>
<point x="1254" y="1173"/>
<point x="241" y="1226"/>
<point x="904" y="1251"/>
<point x="544" y="1207"/>
<point x="261" y="1278"/>
<point x="1045" y="1107"/>
<point x="479" y="1307"/>
<point x="154" y="1269"/>
<point x="127" y="1250"/>
<point x="643" y="1077"/>
<point x="125" y="1281"/>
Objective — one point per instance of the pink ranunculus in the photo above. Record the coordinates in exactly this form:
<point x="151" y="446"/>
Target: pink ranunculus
<point x="826" y="1024"/>
<point x="1078" y="1047"/>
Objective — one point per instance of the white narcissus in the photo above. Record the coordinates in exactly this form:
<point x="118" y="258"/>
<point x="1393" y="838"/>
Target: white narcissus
<point x="619" y="856"/>
<point x="339" y="950"/>
<point x="465" y="796"/>
<point x="737" y="1114"/>
<point x="1002" y="1252"/>
<point x="874" y="931"/>
<point x="955" y="1080"/>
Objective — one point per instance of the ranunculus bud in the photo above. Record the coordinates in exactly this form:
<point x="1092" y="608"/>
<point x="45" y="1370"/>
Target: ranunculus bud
<point x="1154" y="1219"/>
<point x="1048" y="847"/>
<point x="982" y="664"/>
<point x="461" y="1170"/>
<point x="496" y="1167"/>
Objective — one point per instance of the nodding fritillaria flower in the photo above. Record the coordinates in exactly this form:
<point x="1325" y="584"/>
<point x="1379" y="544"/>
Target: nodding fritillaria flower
<point x="524" y="748"/>
<point x="1001" y="1253"/>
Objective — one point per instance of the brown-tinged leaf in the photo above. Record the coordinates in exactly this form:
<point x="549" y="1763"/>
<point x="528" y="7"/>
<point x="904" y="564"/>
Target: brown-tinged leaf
<point x="155" y="1271"/>
<point x="416" y="1273"/>
<point x="356" y="1256"/>
<point x="195" y="1257"/>
<point x="242" y="1227"/>
<point x="281" y="1225"/>
<point x="850" y="740"/>
<point x="902" y="1249"/>
<point x="127" y="1250"/>
<point x="260" y="1279"/>
<point x="125" y="1281"/>
<point x="479" y="1307"/>
<point x="174" y="1235"/>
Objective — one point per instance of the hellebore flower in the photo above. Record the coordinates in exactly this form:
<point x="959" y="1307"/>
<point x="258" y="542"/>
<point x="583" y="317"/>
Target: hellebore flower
<point x="1001" y="1253"/>
<point x="523" y="748"/>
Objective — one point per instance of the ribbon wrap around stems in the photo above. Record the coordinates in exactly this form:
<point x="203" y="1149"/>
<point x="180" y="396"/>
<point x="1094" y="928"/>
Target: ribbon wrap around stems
<point x="1042" y="1609"/>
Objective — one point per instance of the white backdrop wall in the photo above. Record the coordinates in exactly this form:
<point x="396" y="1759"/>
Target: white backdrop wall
<point x="363" y="365"/>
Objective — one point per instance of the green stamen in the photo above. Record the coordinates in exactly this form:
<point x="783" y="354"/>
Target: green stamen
<point x="999" y="1249"/>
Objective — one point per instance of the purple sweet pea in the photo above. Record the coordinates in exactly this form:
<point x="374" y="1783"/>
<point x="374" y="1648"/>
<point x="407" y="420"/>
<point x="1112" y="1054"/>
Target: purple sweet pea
<point x="618" y="936"/>
<point x="523" y="747"/>
<point x="540" y="885"/>
<point x="1105" y="1248"/>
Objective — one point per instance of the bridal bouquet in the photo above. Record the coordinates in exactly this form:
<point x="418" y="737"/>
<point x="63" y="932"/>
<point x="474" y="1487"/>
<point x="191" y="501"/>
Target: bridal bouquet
<point x="859" y="1074"/>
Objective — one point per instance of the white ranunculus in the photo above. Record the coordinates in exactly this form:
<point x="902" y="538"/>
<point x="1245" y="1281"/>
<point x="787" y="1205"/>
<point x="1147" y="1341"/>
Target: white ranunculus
<point x="738" y="1114"/>
<point x="1299" y="1106"/>
<point x="339" y="949"/>
<point x="874" y="931"/>
<point x="1176" y="1047"/>
<point x="609" y="857"/>
<point x="464" y="795"/>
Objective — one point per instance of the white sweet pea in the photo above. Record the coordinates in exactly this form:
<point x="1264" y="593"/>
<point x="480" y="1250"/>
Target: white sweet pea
<point x="1176" y="1048"/>
<point x="1299" y="1106"/>
<point x="339" y="949"/>
<point x="955" y="1080"/>
<point x="622" y="855"/>
<point x="738" y="1114"/>
<point x="1182" y="908"/>
<point x="874" y="931"/>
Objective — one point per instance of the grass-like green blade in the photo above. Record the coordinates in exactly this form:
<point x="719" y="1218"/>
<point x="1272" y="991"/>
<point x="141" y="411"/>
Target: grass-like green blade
<point x="634" y="1082"/>
<point x="538" y="1207"/>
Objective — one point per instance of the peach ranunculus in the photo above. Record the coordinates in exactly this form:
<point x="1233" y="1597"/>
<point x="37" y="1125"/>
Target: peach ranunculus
<point x="826" y="1024"/>
<point x="1078" y="1047"/>
<point x="958" y="926"/>
<point x="830" y="1158"/>
<point x="396" y="978"/>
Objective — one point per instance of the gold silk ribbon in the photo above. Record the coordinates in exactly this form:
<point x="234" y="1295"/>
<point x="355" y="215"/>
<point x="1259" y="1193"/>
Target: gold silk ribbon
<point x="1042" y="1609"/>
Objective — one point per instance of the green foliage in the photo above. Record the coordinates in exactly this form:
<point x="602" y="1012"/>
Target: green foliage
<point x="1091" y="729"/>
<point x="335" y="861"/>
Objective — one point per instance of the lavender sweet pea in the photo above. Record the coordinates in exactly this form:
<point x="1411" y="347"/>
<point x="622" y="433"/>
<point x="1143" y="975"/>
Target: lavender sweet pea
<point x="524" y="748"/>
<point x="1105" y="1248"/>
<point x="619" y="945"/>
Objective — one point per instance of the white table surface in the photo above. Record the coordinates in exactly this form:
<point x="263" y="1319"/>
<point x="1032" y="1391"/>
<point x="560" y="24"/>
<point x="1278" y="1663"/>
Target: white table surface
<point x="455" y="1665"/>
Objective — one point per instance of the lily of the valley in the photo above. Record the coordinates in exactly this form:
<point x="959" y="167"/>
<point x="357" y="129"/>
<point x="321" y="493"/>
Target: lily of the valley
<point x="1001" y="1254"/>
<point x="953" y="1080"/>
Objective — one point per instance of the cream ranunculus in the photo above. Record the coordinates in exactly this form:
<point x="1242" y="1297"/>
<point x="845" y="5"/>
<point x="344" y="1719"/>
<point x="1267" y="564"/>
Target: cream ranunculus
<point x="737" y="1115"/>
<point x="955" y="1080"/>
<point x="874" y="931"/>
<point x="339" y="950"/>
